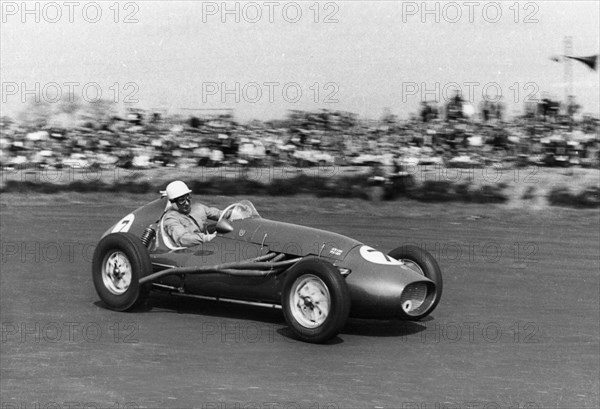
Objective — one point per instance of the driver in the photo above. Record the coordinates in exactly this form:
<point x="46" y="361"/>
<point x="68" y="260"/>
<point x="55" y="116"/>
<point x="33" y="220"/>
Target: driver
<point x="185" y="227"/>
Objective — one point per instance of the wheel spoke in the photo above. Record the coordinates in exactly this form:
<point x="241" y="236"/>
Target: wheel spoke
<point x="323" y="308"/>
<point x="313" y="315"/>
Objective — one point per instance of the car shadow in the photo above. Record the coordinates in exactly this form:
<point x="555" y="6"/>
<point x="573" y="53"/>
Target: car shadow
<point x="381" y="328"/>
<point x="287" y="333"/>
<point x="165" y="303"/>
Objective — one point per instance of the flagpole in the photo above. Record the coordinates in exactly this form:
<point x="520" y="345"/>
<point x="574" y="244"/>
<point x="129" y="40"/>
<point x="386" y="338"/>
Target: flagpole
<point x="568" y="67"/>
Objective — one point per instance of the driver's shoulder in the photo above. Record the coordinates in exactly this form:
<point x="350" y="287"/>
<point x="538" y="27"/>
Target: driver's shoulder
<point x="173" y="215"/>
<point x="199" y="211"/>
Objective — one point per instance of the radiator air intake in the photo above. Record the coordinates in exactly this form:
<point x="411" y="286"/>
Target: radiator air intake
<point x="413" y="298"/>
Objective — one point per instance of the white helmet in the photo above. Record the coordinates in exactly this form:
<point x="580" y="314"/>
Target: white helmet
<point x="177" y="189"/>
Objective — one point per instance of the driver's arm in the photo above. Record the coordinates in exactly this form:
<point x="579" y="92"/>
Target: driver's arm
<point x="181" y="236"/>
<point x="189" y="239"/>
<point x="213" y="213"/>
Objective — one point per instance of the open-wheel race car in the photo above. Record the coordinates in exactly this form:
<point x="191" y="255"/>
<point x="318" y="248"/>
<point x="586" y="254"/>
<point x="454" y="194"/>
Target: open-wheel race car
<point x="318" y="278"/>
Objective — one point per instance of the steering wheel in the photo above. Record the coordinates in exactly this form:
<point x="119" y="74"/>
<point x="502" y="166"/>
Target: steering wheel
<point x="228" y="209"/>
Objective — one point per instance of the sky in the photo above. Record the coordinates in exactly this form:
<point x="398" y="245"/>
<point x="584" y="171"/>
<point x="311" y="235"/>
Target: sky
<point x="264" y="58"/>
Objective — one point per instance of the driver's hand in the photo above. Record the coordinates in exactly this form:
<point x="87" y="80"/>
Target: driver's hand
<point x="209" y="237"/>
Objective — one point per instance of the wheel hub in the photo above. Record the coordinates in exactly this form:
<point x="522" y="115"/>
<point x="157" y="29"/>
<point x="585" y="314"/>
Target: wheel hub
<point x="116" y="272"/>
<point x="310" y="301"/>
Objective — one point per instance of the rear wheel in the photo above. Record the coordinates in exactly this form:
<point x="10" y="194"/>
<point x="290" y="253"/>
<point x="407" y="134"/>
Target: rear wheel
<point x="119" y="261"/>
<point x="422" y="262"/>
<point x="315" y="300"/>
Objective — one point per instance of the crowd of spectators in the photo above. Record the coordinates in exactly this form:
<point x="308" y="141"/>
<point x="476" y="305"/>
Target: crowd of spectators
<point x="451" y="135"/>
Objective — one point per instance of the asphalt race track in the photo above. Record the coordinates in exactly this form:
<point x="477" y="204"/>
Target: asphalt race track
<point x="517" y="327"/>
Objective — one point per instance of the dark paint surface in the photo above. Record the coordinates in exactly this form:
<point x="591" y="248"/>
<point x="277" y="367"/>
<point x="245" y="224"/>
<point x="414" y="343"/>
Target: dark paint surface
<point x="375" y="288"/>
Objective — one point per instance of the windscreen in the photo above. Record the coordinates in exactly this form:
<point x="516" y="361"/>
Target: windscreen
<point x="244" y="210"/>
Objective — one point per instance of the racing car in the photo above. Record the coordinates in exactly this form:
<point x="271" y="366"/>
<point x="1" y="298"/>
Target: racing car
<point x="318" y="278"/>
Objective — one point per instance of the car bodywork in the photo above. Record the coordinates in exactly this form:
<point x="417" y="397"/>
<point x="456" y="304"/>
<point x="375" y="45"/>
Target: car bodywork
<point x="249" y="258"/>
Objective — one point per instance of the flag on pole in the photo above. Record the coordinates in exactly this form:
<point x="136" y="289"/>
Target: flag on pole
<point x="591" y="61"/>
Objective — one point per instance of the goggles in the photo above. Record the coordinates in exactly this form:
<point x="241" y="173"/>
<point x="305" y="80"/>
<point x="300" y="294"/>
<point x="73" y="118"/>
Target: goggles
<point x="183" y="200"/>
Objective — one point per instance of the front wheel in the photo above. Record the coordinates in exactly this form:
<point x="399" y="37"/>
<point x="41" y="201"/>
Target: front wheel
<point x="119" y="261"/>
<point x="315" y="300"/>
<point x="422" y="262"/>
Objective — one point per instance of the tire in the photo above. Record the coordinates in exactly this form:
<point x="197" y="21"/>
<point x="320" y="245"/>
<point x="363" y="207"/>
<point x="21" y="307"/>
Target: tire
<point x="122" y="292"/>
<point x="424" y="263"/>
<point x="309" y="279"/>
